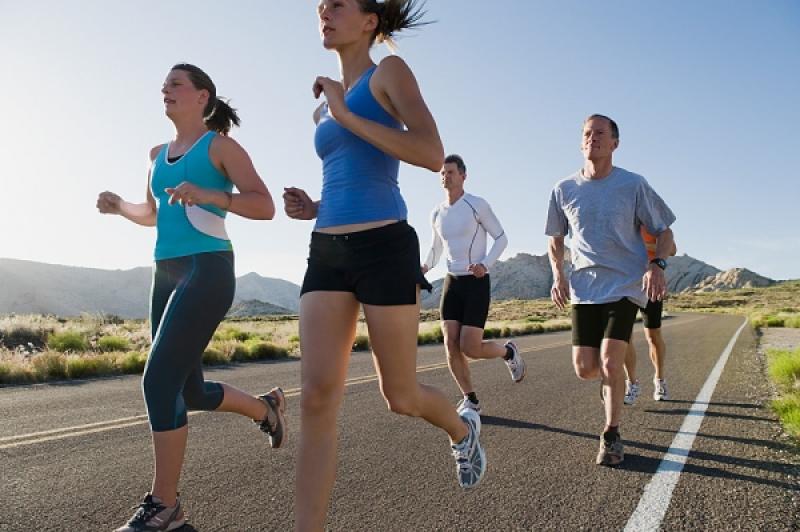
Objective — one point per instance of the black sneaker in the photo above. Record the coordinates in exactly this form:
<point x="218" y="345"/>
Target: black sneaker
<point x="276" y="406"/>
<point x="152" y="515"/>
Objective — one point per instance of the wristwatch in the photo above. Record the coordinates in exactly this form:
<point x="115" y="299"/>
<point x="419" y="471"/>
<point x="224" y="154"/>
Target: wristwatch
<point x="661" y="263"/>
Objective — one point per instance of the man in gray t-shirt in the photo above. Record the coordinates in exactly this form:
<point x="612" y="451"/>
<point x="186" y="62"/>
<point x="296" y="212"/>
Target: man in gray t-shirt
<point x="602" y="208"/>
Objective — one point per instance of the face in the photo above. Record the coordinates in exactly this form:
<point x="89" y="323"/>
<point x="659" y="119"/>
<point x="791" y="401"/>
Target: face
<point x="180" y="95"/>
<point x="598" y="142"/>
<point x="451" y="177"/>
<point x="342" y="22"/>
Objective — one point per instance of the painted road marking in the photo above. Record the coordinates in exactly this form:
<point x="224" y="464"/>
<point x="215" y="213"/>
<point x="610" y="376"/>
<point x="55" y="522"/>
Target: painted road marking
<point x="657" y="494"/>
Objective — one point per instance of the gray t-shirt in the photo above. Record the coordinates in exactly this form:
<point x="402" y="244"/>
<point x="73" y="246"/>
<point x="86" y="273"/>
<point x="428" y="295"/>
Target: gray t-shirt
<point x="602" y="218"/>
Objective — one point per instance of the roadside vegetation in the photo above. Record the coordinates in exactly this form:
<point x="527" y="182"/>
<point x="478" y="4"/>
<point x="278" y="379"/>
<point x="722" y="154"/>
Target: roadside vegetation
<point x="784" y="370"/>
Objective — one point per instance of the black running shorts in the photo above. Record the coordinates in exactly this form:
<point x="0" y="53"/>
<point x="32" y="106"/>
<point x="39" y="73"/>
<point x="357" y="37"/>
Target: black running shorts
<point x="592" y="323"/>
<point x="379" y="266"/>
<point x="652" y="314"/>
<point x="465" y="299"/>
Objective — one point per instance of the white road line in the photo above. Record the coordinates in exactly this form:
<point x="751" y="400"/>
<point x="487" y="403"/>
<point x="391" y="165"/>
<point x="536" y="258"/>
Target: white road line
<point x="657" y="494"/>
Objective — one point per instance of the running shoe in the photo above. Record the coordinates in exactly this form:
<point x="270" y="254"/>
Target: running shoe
<point x="276" y="407"/>
<point x="152" y="515"/>
<point x="466" y="402"/>
<point x="632" y="392"/>
<point x="611" y="452"/>
<point x="516" y="366"/>
<point x="469" y="455"/>
<point x="660" y="390"/>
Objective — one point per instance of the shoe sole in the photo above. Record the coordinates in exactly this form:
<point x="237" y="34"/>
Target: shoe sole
<point x="177" y="524"/>
<point x="610" y="462"/>
<point x="482" y="454"/>
<point x="278" y="404"/>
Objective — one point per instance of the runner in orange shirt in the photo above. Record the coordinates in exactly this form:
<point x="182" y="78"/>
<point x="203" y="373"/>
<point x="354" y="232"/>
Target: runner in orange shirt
<point x="652" y="331"/>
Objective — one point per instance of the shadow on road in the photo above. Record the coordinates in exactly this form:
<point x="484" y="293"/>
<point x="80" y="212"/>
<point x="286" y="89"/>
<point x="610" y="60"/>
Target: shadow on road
<point x="708" y="413"/>
<point x="650" y="464"/>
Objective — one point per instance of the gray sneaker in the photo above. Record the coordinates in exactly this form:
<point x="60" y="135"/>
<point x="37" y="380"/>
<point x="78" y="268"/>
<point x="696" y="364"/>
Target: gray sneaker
<point x="152" y="515"/>
<point x="516" y="366"/>
<point x="466" y="402"/>
<point x="610" y="453"/>
<point x="275" y="428"/>
<point x="660" y="390"/>
<point x="469" y="455"/>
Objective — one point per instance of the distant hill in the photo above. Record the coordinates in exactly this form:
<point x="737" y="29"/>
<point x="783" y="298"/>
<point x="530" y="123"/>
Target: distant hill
<point x="528" y="276"/>
<point x="731" y="279"/>
<point x="254" y="307"/>
<point x="37" y="288"/>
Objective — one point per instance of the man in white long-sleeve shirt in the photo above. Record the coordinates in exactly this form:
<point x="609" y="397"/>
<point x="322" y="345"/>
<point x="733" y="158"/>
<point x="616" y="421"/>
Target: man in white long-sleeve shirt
<point x="460" y="226"/>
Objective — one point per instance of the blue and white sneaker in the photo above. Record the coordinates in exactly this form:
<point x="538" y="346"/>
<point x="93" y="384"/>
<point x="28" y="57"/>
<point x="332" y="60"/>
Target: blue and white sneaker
<point x="469" y="455"/>
<point x="466" y="402"/>
<point x="152" y="515"/>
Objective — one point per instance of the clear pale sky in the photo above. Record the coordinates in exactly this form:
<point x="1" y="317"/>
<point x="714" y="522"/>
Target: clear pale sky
<point x="705" y="94"/>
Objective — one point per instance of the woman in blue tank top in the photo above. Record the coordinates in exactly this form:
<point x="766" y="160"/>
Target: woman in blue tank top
<point x="362" y="251"/>
<point x="189" y="193"/>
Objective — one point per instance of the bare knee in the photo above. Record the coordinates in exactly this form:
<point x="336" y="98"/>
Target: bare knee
<point x="471" y="349"/>
<point x="319" y="398"/>
<point x="586" y="372"/>
<point x="453" y="348"/>
<point x="403" y="404"/>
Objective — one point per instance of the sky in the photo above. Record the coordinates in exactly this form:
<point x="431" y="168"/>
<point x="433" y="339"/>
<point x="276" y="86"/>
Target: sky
<point x="705" y="95"/>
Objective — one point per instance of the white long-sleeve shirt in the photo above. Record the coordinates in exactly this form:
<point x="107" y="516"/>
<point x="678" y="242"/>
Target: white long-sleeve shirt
<point x="459" y="231"/>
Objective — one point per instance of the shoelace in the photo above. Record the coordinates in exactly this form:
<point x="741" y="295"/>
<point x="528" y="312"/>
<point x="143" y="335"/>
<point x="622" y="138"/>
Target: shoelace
<point x="146" y="511"/>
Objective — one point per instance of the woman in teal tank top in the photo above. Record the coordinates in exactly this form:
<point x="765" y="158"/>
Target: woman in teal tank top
<point x="189" y="193"/>
<point x="362" y="252"/>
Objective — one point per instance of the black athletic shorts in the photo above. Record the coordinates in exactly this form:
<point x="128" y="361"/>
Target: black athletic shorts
<point x="465" y="299"/>
<point x="651" y="314"/>
<point x="592" y="323"/>
<point x="380" y="266"/>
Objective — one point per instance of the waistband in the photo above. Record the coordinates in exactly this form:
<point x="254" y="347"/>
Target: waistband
<point x="385" y="231"/>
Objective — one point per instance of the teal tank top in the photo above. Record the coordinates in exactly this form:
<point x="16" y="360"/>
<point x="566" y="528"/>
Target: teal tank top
<point x="187" y="230"/>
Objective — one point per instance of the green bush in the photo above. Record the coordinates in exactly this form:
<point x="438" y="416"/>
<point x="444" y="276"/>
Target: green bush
<point x="784" y="367"/>
<point x="66" y="341"/>
<point x="214" y="357"/>
<point x="113" y="343"/>
<point x="50" y="365"/>
<point x="132" y="363"/>
<point x="90" y="366"/>
<point x="11" y="373"/>
<point x="433" y="336"/>
<point x="232" y="333"/>
<point x="294" y="339"/>
<point x="361" y="343"/>
<point x="267" y="351"/>
<point x="492" y="332"/>
<point x="788" y="409"/>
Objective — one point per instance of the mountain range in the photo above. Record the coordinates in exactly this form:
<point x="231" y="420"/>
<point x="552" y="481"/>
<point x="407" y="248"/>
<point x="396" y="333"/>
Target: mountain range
<point x="28" y="287"/>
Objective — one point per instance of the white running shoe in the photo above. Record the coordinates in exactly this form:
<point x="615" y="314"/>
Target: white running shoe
<point x="516" y="366"/>
<point x="660" y="390"/>
<point x="470" y="456"/>
<point x="466" y="402"/>
<point x="632" y="392"/>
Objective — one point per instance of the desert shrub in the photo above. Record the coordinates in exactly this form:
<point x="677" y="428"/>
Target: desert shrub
<point x="68" y="341"/>
<point x="132" y="363"/>
<point x="492" y="332"/>
<point x="90" y="366"/>
<point x="22" y="335"/>
<point x="361" y="343"/>
<point x="113" y="343"/>
<point x="784" y="367"/>
<point x="788" y="409"/>
<point x="232" y="333"/>
<point x="433" y="336"/>
<point x="267" y="351"/>
<point x="11" y="373"/>
<point x="214" y="357"/>
<point x="49" y="365"/>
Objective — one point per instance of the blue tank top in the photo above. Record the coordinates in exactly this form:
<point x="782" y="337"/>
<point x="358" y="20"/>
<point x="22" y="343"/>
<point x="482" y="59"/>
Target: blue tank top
<point x="184" y="230"/>
<point x="359" y="181"/>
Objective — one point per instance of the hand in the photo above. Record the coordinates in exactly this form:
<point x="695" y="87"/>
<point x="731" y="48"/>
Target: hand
<point x="559" y="293"/>
<point x="189" y="194"/>
<point x="108" y="203"/>
<point x="298" y="204"/>
<point x="478" y="270"/>
<point x="334" y="95"/>
<point x="654" y="283"/>
<point x="424" y="269"/>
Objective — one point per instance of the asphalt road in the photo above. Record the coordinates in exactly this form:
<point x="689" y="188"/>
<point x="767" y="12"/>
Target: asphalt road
<point x="76" y="456"/>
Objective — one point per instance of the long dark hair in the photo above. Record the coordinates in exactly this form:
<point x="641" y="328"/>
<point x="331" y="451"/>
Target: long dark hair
<point x="394" y="16"/>
<point x="218" y="115"/>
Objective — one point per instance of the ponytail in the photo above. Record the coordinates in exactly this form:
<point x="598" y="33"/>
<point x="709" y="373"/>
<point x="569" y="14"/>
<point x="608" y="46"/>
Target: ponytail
<point x="394" y="16"/>
<point x="222" y="117"/>
<point x="218" y="115"/>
